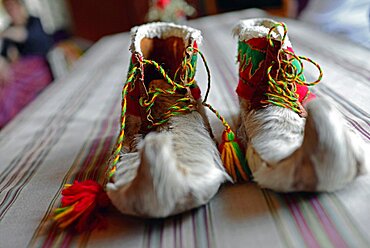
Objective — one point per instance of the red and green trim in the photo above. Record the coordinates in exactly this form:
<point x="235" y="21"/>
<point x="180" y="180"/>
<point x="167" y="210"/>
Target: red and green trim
<point x="255" y="56"/>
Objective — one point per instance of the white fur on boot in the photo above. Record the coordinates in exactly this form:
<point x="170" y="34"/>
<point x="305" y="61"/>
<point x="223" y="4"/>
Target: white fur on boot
<point x="286" y="152"/>
<point x="174" y="170"/>
<point x="175" y="167"/>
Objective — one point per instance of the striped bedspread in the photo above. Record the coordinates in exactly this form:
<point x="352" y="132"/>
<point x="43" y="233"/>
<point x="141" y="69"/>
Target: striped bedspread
<point x="66" y="134"/>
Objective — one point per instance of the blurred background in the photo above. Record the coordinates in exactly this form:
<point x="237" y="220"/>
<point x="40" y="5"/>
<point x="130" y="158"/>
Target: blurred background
<point x="91" y="20"/>
<point x="73" y="26"/>
<point x="85" y="21"/>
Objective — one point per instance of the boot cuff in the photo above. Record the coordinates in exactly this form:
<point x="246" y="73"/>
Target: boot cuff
<point x="259" y="28"/>
<point x="163" y="30"/>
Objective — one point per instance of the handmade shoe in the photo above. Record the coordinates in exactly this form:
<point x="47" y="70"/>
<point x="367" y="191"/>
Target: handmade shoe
<point x="285" y="150"/>
<point x="176" y="165"/>
<point x="165" y="161"/>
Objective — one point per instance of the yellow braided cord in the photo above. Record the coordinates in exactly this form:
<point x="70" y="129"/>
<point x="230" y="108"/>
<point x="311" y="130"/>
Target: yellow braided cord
<point x="187" y="69"/>
<point x="148" y="103"/>
<point x="269" y="35"/>
<point x="283" y="92"/>
<point x="176" y="109"/>
<point x="219" y="116"/>
<point x="121" y="136"/>
<point x="154" y="93"/>
<point x="232" y="155"/>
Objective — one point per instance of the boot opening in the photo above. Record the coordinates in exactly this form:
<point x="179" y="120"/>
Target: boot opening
<point x="167" y="52"/>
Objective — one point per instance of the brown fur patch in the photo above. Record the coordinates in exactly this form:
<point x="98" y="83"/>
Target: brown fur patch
<point x="133" y="124"/>
<point x="164" y="101"/>
<point x="245" y="105"/>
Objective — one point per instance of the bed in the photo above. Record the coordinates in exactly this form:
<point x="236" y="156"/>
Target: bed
<point x="66" y="134"/>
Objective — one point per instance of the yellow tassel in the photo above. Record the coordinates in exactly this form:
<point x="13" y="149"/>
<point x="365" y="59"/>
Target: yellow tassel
<point x="233" y="157"/>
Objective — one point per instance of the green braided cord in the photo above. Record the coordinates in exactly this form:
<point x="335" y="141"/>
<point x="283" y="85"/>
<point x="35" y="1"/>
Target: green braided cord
<point x="164" y="74"/>
<point x="121" y="136"/>
<point x="172" y="110"/>
<point x="148" y="104"/>
<point x="282" y="92"/>
<point x="220" y="117"/>
<point x="275" y="26"/>
<point x="188" y="69"/>
<point x="317" y="66"/>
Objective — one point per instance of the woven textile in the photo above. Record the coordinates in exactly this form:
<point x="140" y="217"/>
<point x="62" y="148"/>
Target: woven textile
<point x="68" y="131"/>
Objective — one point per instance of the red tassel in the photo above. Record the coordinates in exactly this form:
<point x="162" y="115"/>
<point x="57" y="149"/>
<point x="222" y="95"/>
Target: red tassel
<point x="82" y="204"/>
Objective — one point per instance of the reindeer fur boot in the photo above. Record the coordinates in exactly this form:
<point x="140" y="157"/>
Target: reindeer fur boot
<point x="295" y="142"/>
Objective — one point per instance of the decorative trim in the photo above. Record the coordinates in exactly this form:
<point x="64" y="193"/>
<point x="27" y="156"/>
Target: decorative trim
<point x="163" y="30"/>
<point x="259" y="28"/>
